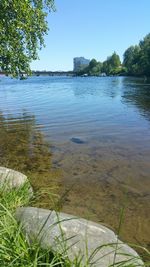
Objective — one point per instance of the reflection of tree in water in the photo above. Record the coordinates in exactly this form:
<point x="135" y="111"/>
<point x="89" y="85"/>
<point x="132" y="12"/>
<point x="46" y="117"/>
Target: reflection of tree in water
<point x="23" y="148"/>
<point x="137" y="92"/>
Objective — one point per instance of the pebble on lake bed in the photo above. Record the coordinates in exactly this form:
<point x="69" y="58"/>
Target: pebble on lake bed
<point x="77" y="140"/>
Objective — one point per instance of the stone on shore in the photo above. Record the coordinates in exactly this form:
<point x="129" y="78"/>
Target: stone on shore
<point x="10" y="179"/>
<point x="82" y="237"/>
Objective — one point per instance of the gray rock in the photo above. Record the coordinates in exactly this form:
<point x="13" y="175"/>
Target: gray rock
<point x="77" y="140"/>
<point x="10" y="179"/>
<point x="79" y="237"/>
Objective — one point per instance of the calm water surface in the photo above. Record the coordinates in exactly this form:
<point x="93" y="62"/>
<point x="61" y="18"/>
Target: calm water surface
<point x="99" y="129"/>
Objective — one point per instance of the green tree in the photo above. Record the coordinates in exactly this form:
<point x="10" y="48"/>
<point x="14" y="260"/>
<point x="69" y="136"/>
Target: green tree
<point x="93" y="63"/>
<point x="22" y="28"/>
<point x="144" y="60"/>
<point x="128" y="57"/>
<point x="94" y="68"/>
<point x="112" y="65"/>
<point x="137" y="58"/>
<point x="114" y="60"/>
<point x="131" y="60"/>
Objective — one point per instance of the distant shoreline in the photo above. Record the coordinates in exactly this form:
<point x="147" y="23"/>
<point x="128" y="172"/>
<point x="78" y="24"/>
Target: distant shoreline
<point x="73" y="74"/>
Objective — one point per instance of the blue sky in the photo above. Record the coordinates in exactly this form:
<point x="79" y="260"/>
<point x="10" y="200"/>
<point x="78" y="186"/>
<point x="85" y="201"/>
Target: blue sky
<point x="93" y="29"/>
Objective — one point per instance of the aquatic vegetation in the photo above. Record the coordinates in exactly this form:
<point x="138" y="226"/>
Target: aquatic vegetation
<point x="23" y="148"/>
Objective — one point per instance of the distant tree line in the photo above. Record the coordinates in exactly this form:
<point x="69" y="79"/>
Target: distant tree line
<point x="111" y="66"/>
<point x="136" y="62"/>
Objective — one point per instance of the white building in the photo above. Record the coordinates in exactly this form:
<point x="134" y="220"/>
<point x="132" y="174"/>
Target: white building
<point x="80" y="63"/>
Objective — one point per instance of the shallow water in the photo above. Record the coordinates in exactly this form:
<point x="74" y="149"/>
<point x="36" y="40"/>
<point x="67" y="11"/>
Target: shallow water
<point x="99" y="131"/>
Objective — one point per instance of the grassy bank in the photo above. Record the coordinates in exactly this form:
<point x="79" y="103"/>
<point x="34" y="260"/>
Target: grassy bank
<point x="15" y="248"/>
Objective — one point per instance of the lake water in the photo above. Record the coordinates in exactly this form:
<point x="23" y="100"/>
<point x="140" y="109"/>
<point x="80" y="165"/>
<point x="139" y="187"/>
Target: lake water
<point x="99" y="131"/>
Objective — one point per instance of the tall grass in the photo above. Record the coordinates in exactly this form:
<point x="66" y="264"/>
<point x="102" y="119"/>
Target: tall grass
<point x="17" y="251"/>
<point x="15" y="248"/>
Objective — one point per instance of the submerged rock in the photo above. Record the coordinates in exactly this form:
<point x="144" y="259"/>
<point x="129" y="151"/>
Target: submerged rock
<point x="93" y="242"/>
<point x="77" y="140"/>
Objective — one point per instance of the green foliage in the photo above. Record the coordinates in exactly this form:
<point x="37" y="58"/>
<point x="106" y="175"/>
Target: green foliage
<point x="131" y="58"/>
<point x="93" y="63"/>
<point x="93" y="69"/>
<point x="32" y="156"/>
<point x="144" y="61"/>
<point x="114" y="60"/>
<point x="136" y="62"/>
<point x="17" y="251"/>
<point x="137" y="58"/>
<point x="22" y="27"/>
<point x="112" y="66"/>
<point x="15" y="248"/>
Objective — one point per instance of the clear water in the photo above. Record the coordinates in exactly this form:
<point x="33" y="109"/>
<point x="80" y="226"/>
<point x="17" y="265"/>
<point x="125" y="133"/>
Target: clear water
<point x="84" y="107"/>
<point x="99" y="129"/>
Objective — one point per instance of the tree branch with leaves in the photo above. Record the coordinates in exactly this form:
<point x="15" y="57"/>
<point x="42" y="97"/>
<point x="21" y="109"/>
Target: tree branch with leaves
<point x="23" y="24"/>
